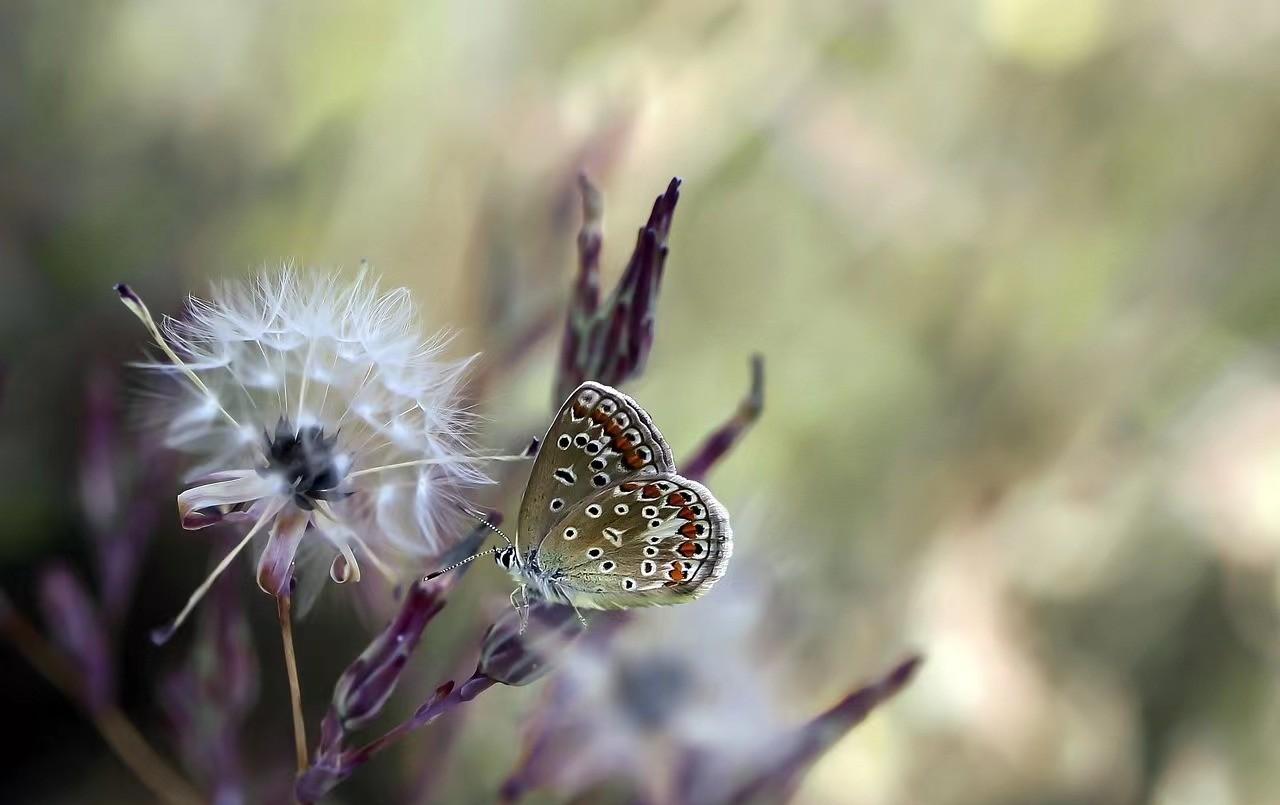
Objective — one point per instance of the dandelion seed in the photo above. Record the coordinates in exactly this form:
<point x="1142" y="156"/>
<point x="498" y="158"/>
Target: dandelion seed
<point x="320" y="416"/>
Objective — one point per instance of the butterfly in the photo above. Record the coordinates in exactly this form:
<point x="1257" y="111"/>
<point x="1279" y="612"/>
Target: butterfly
<point x="608" y="521"/>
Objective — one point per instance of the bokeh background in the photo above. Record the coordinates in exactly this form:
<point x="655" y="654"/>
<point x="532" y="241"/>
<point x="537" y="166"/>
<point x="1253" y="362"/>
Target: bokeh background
<point x="1012" y="265"/>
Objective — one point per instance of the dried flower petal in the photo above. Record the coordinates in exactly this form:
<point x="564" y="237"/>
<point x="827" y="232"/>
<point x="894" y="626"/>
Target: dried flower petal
<point x="275" y="564"/>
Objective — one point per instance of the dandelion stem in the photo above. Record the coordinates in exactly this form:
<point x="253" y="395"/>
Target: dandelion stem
<point x="163" y="634"/>
<point x="139" y="308"/>
<point x="284" y="613"/>
<point x="124" y="739"/>
<point x="429" y="461"/>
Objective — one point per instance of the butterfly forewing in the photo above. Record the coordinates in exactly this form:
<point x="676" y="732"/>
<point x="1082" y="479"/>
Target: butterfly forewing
<point x="660" y="539"/>
<point x="599" y="438"/>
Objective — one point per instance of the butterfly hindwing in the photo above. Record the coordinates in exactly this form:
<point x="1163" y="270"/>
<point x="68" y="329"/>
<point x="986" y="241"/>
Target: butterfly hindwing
<point x="660" y="539"/>
<point x="599" y="438"/>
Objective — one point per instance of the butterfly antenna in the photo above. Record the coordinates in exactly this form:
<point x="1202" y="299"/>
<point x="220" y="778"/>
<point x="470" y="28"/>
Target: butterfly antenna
<point x="458" y="564"/>
<point x="484" y="521"/>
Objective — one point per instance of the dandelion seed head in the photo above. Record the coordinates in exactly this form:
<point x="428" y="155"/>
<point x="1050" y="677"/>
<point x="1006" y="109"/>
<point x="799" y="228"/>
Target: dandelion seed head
<point x="315" y="394"/>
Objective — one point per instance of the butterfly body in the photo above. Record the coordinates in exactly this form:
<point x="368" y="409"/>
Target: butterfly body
<point x="609" y="523"/>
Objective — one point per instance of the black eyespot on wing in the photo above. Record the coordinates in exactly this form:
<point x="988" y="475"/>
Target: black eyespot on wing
<point x="564" y="441"/>
<point x="599" y="480"/>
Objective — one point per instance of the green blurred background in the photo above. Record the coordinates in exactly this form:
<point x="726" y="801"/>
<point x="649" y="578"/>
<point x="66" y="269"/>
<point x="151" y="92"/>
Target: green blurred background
<point x="1012" y="264"/>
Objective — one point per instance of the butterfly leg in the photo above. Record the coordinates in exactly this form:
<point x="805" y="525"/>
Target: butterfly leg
<point x="522" y="607"/>
<point x="581" y="619"/>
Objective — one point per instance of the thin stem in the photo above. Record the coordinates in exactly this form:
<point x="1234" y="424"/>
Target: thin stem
<point x="133" y="749"/>
<point x="123" y="738"/>
<point x="423" y="462"/>
<point x="283" y="612"/>
<point x="163" y="634"/>
<point x="139" y="308"/>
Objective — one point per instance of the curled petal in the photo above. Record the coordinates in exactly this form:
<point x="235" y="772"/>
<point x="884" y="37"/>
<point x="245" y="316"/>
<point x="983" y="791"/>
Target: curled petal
<point x="274" y="568"/>
<point x="200" y="506"/>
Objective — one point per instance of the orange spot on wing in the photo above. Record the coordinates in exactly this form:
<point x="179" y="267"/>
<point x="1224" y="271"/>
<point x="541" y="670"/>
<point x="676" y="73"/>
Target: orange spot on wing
<point x="650" y="491"/>
<point x="613" y="429"/>
<point x="599" y="416"/>
<point x="689" y="530"/>
<point x="676" y="573"/>
<point x="622" y="444"/>
<point x="631" y="486"/>
<point x="677" y="499"/>
<point x="633" y="460"/>
<point x="687" y="513"/>
<point x="688" y="549"/>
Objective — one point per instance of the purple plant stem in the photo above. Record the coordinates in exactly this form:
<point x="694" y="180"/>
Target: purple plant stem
<point x="120" y="516"/>
<point x="208" y="699"/>
<point x="779" y="781"/>
<point x="537" y="764"/>
<point x="73" y="621"/>
<point x="327" y="772"/>
<point x="125" y="740"/>
<point x="723" y="438"/>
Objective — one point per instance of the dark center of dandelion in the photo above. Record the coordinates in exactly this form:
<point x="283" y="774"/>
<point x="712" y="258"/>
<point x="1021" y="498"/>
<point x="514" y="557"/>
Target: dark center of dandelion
<point x="649" y="692"/>
<point x="304" y="458"/>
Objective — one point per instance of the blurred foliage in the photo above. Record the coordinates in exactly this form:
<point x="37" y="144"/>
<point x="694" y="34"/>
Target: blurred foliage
<point x="1012" y="264"/>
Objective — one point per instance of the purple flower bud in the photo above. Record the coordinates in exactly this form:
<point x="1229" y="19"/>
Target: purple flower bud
<point x="514" y="657"/>
<point x="73" y="623"/>
<point x="727" y="435"/>
<point x="366" y="685"/>
<point x="611" y="343"/>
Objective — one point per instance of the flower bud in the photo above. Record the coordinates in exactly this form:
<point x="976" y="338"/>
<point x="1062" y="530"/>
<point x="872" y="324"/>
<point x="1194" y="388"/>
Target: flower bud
<point x="513" y="656"/>
<point x="368" y="682"/>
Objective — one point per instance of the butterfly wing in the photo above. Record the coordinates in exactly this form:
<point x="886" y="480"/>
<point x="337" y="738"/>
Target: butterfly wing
<point x="600" y="437"/>
<point x="654" y="540"/>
